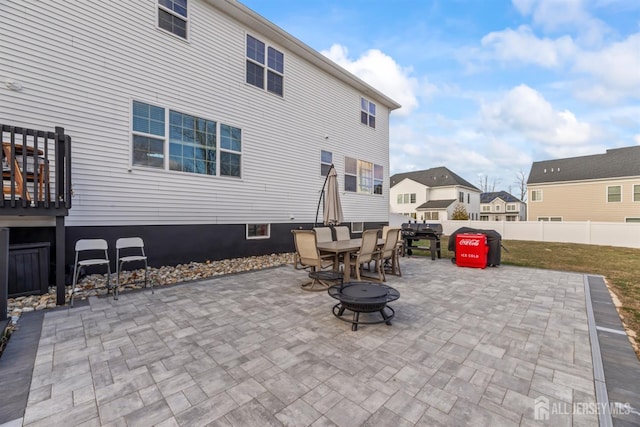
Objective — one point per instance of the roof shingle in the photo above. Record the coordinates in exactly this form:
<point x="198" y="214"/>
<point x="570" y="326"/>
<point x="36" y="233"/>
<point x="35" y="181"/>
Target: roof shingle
<point x="434" y="177"/>
<point x="615" y="163"/>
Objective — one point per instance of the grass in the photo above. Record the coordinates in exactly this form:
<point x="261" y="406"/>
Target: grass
<point x="619" y="266"/>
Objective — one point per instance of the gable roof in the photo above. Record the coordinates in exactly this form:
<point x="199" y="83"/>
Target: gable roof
<point x="436" y="204"/>
<point x="490" y="197"/>
<point x="615" y="163"/>
<point x="434" y="177"/>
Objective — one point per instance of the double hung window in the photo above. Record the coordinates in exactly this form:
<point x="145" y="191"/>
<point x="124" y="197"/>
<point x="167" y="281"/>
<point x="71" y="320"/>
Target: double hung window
<point x="536" y="195"/>
<point x="614" y="193"/>
<point x="367" y="113"/>
<point x="326" y="159"/>
<point x="265" y="64"/>
<point x="172" y="16"/>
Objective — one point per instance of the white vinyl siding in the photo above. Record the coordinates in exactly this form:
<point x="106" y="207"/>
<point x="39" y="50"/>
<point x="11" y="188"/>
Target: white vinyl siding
<point x="105" y="70"/>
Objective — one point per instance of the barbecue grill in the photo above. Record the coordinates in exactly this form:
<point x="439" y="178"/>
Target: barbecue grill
<point x="422" y="231"/>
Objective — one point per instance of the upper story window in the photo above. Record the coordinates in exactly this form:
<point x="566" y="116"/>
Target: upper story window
<point x="486" y="208"/>
<point x="636" y="193"/>
<point x="536" y="195"/>
<point x="172" y="16"/>
<point x="461" y="197"/>
<point x="511" y="207"/>
<point x="614" y="193"/>
<point x="326" y="159"/>
<point x="406" y="198"/>
<point x="367" y="113"/>
<point x="497" y="208"/>
<point x="265" y="64"/>
<point x="194" y="145"/>
<point x="362" y="177"/>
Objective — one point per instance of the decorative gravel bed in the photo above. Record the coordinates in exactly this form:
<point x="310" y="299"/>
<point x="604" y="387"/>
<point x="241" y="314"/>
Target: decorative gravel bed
<point x="96" y="284"/>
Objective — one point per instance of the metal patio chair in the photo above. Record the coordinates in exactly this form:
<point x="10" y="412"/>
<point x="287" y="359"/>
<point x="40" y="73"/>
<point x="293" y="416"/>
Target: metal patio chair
<point x="94" y="246"/>
<point x="128" y="245"/>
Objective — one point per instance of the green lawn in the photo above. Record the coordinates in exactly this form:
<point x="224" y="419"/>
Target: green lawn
<point x="620" y="267"/>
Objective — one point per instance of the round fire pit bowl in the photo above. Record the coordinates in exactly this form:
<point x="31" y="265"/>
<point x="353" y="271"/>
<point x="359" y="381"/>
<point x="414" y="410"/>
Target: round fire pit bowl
<point x="363" y="297"/>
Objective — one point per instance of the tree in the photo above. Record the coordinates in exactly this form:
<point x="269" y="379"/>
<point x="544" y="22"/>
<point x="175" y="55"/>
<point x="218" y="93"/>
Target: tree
<point x="459" y="213"/>
<point x="487" y="185"/>
<point x="521" y="181"/>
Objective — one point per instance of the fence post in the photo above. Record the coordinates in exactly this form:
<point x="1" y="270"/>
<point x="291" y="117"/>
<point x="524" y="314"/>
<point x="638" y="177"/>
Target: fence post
<point x="4" y="273"/>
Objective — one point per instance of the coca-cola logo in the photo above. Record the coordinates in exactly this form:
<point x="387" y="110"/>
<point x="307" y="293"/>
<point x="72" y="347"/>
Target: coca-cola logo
<point x="469" y="242"/>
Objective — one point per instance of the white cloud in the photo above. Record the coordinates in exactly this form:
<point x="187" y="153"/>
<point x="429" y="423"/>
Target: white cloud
<point x="616" y="67"/>
<point x="637" y="139"/>
<point x="524" y="110"/>
<point x="383" y="73"/>
<point x="560" y="15"/>
<point x="524" y="46"/>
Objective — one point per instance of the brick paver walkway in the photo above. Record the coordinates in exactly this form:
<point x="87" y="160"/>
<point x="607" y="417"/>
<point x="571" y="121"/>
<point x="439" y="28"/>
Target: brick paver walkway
<point x="467" y="347"/>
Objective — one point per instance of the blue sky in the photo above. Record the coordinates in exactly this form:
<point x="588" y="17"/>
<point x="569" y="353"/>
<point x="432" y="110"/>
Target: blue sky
<point x="487" y="86"/>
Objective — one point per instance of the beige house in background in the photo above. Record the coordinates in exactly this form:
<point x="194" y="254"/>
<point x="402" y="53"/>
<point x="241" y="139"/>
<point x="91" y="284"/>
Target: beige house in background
<point x="601" y="187"/>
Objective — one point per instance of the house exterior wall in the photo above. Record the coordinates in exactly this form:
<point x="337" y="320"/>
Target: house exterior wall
<point x="496" y="210"/>
<point x="425" y="194"/>
<point x="583" y="201"/>
<point x="77" y="72"/>
<point x="407" y="186"/>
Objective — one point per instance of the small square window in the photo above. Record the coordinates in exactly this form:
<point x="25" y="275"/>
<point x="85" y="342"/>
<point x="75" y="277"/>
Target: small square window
<point x="357" y="227"/>
<point x="258" y="231"/>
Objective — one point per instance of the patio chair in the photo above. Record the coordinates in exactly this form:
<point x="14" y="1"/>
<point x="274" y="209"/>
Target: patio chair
<point x="309" y="257"/>
<point x="323" y="234"/>
<point x="342" y="232"/>
<point x="368" y="252"/>
<point x="389" y="255"/>
<point x="128" y="245"/>
<point x="94" y="246"/>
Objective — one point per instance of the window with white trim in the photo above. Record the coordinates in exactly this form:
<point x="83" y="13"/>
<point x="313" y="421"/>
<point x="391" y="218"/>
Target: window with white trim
<point x="357" y="227"/>
<point x="461" y="197"/>
<point x="194" y="145"/>
<point x="497" y="208"/>
<point x="264" y="64"/>
<point x="258" y="231"/>
<point x="326" y="159"/>
<point x="172" y="16"/>
<point x="636" y="192"/>
<point x="550" y="218"/>
<point x="484" y="217"/>
<point x="486" y="208"/>
<point x="367" y="113"/>
<point x="511" y="207"/>
<point x="362" y="177"/>
<point x="614" y="193"/>
<point x="536" y="195"/>
<point x="632" y="220"/>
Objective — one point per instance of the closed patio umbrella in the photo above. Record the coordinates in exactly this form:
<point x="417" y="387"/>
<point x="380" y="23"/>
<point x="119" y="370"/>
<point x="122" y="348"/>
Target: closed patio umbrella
<point x="332" y="207"/>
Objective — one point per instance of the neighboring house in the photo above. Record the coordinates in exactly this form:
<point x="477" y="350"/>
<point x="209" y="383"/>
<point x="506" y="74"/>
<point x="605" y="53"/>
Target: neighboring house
<point x="432" y="194"/>
<point x="600" y="187"/>
<point x="196" y="124"/>
<point x="501" y="206"/>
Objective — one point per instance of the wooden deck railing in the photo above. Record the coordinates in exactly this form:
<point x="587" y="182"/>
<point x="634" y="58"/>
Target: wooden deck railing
<point x="36" y="172"/>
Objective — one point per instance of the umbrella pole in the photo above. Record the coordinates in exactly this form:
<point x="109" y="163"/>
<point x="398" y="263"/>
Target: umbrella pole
<point x="321" y="199"/>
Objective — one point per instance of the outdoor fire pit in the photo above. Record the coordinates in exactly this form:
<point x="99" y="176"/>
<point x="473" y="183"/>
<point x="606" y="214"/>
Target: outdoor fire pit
<point x="363" y="297"/>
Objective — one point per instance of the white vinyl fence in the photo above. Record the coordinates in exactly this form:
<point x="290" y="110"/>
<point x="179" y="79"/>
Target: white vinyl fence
<point x="594" y="233"/>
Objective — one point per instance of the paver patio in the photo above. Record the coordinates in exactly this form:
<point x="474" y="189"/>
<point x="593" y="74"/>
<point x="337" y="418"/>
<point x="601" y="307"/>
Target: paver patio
<point x="467" y="347"/>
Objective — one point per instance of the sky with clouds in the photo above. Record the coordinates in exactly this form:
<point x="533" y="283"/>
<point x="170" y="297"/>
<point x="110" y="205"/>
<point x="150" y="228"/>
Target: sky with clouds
<point x="486" y="87"/>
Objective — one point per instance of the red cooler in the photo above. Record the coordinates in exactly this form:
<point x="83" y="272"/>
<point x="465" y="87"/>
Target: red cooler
<point x="471" y="250"/>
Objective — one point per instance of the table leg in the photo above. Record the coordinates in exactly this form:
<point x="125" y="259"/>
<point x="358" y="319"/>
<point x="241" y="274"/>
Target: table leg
<point x="347" y="267"/>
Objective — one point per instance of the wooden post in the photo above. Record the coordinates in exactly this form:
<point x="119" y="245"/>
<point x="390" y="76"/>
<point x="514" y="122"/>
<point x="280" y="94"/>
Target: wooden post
<point x="4" y="273"/>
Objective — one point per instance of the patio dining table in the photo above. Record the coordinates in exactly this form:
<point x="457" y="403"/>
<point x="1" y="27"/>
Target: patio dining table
<point x="346" y="248"/>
